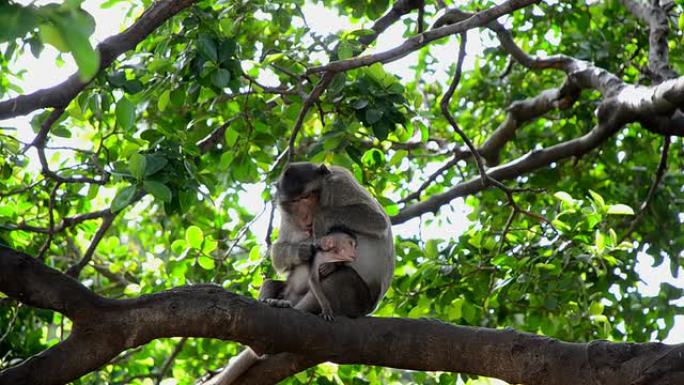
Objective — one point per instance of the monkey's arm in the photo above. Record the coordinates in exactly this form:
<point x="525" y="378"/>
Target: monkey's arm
<point x="286" y="255"/>
<point x="359" y="218"/>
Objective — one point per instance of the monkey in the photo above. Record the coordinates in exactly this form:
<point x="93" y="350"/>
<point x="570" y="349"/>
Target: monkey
<point x="297" y="201"/>
<point x="337" y="247"/>
<point x="338" y="203"/>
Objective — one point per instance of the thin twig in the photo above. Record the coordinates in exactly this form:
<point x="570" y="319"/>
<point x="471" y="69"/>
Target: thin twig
<point x="10" y="325"/>
<point x="169" y="360"/>
<point x="308" y="103"/>
<point x="242" y="233"/>
<point x="660" y="172"/>
<point x="22" y="189"/>
<point x="486" y="179"/>
<point x="51" y="216"/>
<point x="66" y="223"/>
<point x="506" y="229"/>
<point x="459" y="154"/>
<point x="107" y="221"/>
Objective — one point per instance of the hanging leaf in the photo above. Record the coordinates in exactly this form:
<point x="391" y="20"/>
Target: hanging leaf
<point x="158" y="190"/>
<point x="125" y="113"/>
<point x="123" y="198"/>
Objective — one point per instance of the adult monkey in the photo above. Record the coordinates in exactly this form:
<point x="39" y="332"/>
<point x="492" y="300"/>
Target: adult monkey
<point x="340" y="204"/>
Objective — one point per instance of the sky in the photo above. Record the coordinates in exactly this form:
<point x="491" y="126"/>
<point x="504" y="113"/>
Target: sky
<point x="43" y="72"/>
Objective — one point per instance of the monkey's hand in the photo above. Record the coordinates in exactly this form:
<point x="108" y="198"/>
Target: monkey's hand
<point x="275" y="302"/>
<point x="326" y="269"/>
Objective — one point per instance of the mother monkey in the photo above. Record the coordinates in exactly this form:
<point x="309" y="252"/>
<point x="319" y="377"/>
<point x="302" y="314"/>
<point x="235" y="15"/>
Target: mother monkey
<point x="341" y="204"/>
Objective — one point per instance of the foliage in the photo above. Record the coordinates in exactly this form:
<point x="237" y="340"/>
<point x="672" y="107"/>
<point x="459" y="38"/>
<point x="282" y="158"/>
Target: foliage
<point x="180" y="200"/>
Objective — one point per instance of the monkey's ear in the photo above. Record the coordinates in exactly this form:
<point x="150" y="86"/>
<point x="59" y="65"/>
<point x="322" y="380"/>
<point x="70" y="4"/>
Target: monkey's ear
<point x="323" y="169"/>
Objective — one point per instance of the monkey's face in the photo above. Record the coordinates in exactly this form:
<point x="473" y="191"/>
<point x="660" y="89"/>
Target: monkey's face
<point x="301" y="209"/>
<point x="300" y="179"/>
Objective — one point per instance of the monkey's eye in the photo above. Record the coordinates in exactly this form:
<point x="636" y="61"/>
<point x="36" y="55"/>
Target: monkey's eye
<point x="305" y="196"/>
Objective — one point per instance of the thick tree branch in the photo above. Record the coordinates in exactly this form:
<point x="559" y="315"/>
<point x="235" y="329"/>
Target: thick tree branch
<point x="523" y="111"/>
<point x="104" y="327"/>
<point x="61" y="95"/>
<point x="656" y="107"/>
<point x="477" y="20"/>
<point x="659" y="28"/>
<point x="525" y="164"/>
<point x="31" y="282"/>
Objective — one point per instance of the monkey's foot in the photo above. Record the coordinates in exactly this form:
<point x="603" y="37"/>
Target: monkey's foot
<point x="328" y="315"/>
<point x="278" y="302"/>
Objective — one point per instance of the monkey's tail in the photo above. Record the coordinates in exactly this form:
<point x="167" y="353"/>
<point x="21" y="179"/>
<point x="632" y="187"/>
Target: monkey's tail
<point x="237" y="366"/>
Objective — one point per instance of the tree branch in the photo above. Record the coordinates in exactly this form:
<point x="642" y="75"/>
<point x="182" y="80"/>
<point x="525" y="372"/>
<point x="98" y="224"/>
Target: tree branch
<point x="478" y="20"/>
<point x="659" y="28"/>
<point x="656" y="107"/>
<point x="107" y="220"/>
<point x="61" y="95"/>
<point x="105" y="327"/>
<point x="660" y="172"/>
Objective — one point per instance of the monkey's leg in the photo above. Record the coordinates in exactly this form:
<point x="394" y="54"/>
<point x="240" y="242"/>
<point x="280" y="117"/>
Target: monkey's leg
<point x="271" y="288"/>
<point x="347" y="292"/>
<point x="271" y="292"/>
<point x="315" y="286"/>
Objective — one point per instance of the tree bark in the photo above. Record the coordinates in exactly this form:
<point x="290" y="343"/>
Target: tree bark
<point x="105" y="327"/>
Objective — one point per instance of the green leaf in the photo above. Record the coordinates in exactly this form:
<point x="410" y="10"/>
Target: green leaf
<point x="133" y="86"/>
<point x="164" y="99"/>
<point x="159" y="190"/>
<point x="123" y="198"/>
<point x="226" y="159"/>
<point x="254" y="253"/>
<point x="194" y="236"/>
<point x="345" y="50"/>
<point x="209" y="245"/>
<point x="220" y="78"/>
<point x="207" y="48"/>
<point x="226" y="50"/>
<point x="373" y="115"/>
<point x="136" y="165"/>
<point x="377" y="72"/>
<point x="360" y="104"/>
<point x="381" y="129"/>
<point x="564" y="197"/>
<point x="598" y="199"/>
<point x="600" y="241"/>
<point x="75" y="29"/>
<point x="155" y="163"/>
<point x="61" y="131"/>
<point x="178" y="246"/>
<point x="125" y="113"/>
<point x="620" y="209"/>
<point x="206" y="263"/>
<point x="596" y="308"/>
<point x="231" y="137"/>
<point x="49" y="34"/>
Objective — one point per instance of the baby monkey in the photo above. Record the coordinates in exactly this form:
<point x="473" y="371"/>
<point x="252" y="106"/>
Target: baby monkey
<point x="337" y="247"/>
